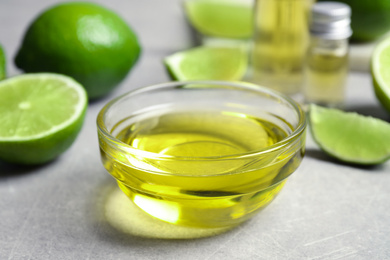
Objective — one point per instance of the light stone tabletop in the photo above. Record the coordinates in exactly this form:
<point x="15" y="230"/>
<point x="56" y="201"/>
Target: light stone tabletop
<point x="72" y="209"/>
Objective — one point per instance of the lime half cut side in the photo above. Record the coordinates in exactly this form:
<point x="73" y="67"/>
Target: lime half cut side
<point x="42" y="115"/>
<point x="350" y="137"/>
<point x="208" y="63"/>
<point x="380" y="66"/>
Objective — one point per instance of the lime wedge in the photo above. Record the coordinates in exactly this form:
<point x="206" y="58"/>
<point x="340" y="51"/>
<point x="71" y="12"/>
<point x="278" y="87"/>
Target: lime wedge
<point x="221" y="18"/>
<point x="380" y="65"/>
<point x="2" y="64"/>
<point x="350" y="137"/>
<point x="41" y="115"/>
<point x="208" y="63"/>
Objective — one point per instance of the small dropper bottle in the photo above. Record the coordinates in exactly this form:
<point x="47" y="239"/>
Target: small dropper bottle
<point x="327" y="57"/>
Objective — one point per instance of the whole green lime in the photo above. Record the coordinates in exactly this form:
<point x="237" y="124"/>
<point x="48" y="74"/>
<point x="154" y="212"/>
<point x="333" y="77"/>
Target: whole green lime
<point x="83" y="40"/>
<point x="370" y="18"/>
<point x="2" y="64"/>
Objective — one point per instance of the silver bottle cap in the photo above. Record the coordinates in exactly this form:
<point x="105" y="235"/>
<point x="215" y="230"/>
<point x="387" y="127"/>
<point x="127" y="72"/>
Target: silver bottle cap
<point x="331" y="20"/>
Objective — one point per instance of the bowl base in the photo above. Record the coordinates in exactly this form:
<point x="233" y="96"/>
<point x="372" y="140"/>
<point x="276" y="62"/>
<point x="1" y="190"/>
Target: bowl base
<point x="203" y="212"/>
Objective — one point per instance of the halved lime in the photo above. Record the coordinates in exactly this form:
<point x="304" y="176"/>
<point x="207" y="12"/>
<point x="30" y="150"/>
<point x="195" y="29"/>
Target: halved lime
<point x="221" y="18"/>
<point x="41" y="116"/>
<point x="380" y="66"/>
<point x="208" y="63"/>
<point x="350" y="137"/>
<point x="2" y="64"/>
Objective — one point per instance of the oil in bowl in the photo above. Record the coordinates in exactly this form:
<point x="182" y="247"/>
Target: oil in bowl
<point x="204" y="154"/>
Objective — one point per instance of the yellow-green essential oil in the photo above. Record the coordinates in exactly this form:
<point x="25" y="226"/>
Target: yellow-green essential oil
<point x="200" y="169"/>
<point x="326" y="73"/>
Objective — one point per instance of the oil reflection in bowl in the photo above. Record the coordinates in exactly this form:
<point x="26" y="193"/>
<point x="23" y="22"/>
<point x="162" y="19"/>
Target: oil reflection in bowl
<point x="126" y="217"/>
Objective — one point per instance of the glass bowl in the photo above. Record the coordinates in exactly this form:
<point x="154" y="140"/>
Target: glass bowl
<point x="201" y="153"/>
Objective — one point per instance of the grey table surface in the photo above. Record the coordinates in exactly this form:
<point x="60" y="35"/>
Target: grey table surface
<point x="72" y="209"/>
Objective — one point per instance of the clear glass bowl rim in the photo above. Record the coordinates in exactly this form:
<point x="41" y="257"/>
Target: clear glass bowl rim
<point x="298" y="131"/>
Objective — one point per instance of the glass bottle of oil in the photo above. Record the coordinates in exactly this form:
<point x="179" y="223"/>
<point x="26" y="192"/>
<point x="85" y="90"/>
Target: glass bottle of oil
<point x="327" y="56"/>
<point x="280" y="44"/>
